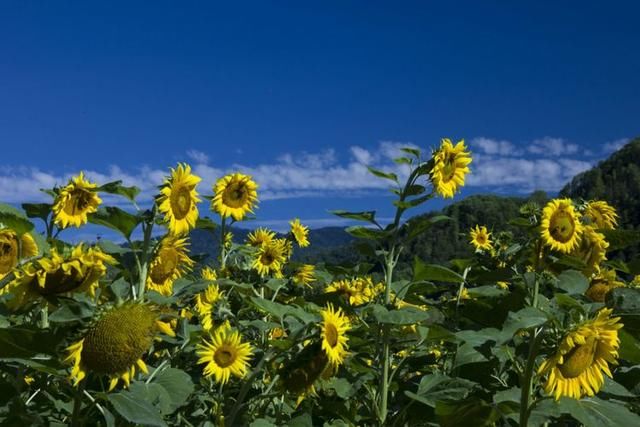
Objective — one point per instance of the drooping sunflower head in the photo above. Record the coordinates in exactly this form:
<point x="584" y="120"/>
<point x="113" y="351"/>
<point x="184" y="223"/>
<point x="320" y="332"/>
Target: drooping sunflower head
<point x="481" y="238"/>
<point x="300" y="233"/>
<point x="260" y="236"/>
<point x="171" y="261"/>
<point x="451" y="164"/>
<point x="75" y="201"/>
<point x="13" y="248"/>
<point x="301" y="373"/>
<point x="270" y="258"/>
<point x="357" y="291"/>
<point x="334" y="334"/>
<point x="76" y="270"/>
<point x="235" y="195"/>
<point x="601" y="214"/>
<point x="224" y="355"/>
<point x="205" y="303"/>
<point x="603" y="283"/>
<point x="178" y="200"/>
<point x="592" y="249"/>
<point x="304" y="275"/>
<point x="561" y="226"/>
<point x="115" y="344"/>
<point x="584" y="354"/>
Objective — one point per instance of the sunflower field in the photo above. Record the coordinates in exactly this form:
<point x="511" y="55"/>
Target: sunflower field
<point x="538" y="328"/>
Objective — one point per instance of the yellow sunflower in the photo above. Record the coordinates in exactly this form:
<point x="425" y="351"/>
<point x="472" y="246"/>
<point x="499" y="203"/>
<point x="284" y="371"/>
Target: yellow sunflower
<point x="225" y="355"/>
<point x="304" y="275"/>
<point x="300" y="233"/>
<point x="602" y="284"/>
<point x="259" y="236"/>
<point x="357" y="291"/>
<point x="481" y="238"/>
<point x="178" y="200"/>
<point x="205" y="301"/>
<point x="561" y="227"/>
<point x="334" y="335"/>
<point x="114" y="345"/>
<point x="77" y="270"/>
<point x="170" y="262"/>
<point x="451" y="164"/>
<point x="601" y="214"/>
<point x="635" y="283"/>
<point x="583" y="355"/>
<point x="592" y="249"/>
<point x="14" y="248"/>
<point x="270" y="258"/>
<point x="75" y="201"/>
<point x="234" y="195"/>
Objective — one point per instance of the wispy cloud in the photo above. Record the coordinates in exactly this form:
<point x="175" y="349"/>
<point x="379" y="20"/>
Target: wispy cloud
<point x="550" y="147"/>
<point x="611" y="146"/>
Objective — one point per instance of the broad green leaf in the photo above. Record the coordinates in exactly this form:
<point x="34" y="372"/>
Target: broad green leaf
<point x="116" y="187"/>
<point x="419" y="225"/>
<point x="72" y="311"/>
<point x="280" y="310"/>
<point x="434" y="273"/>
<point x="471" y="412"/>
<point x="573" y="282"/>
<point x="595" y="412"/>
<point x="152" y="393"/>
<point x="14" y="219"/>
<point x="37" y="210"/>
<point x="303" y="420"/>
<point x="526" y="318"/>
<point x="413" y="151"/>
<point x="438" y="387"/>
<point x="380" y="174"/>
<point x="342" y="387"/>
<point x="261" y="422"/>
<point x="178" y="385"/>
<point x="629" y="347"/>
<point x="111" y="248"/>
<point x="620" y="239"/>
<point x="404" y="316"/>
<point x="366" y="232"/>
<point x="487" y="291"/>
<point x="205" y="223"/>
<point x="135" y="409"/>
<point x="27" y="341"/>
<point x="466" y="354"/>
<point x="116" y="219"/>
<point x="367" y="216"/>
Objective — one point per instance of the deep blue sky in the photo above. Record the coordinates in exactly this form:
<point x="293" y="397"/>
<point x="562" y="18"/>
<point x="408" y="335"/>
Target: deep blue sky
<point x="88" y="85"/>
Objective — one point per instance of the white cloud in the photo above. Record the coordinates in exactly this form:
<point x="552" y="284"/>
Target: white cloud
<point x="198" y="157"/>
<point x="495" y="147"/>
<point x="611" y="146"/>
<point x="548" y="146"/>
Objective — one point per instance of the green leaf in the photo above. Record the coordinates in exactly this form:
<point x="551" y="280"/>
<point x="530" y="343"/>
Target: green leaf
<point x="404" y="316"/>
<point x="206" y="223"/>
<point x="154" y="394"/>
<point x="620" y="239"/>
<point x="468" y="354"/>
<point x="629" y="347"/>
<point x="471" y="412"/>
<point x="595" y="412"/>
<point x="365" y="232"/>
<point x="303" y="420"/>
<point x="367" y="216"/>
<point x="261" y="422"/>
<point x="380" y="174"/>
<point x="487" y="291"/>
<point x="280" y="310"/>
<point x="116" y="219"/>
<point x="72" y="311"/>
<point x="342" y="387"/>
<point x="419" y="225"/>
<point x="116" y="187"/>
<point x="178" y="385"/>
<point x="434" y="273"/>
<point x="526" y="318"/>
<point x="37" y="210"/>
<point x="27" y="341"/>
<point x="573" y="282"/>
<point x="438" y="387"/>
<point x="109" y="247"/>
<point x="413" y="151"/>
<point x="136" y="410"/>
<point x="14" y="219"/>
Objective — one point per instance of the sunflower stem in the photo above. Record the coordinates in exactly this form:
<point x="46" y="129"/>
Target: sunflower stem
<point x="145" y="255"/>
<point x="527" y="386"/>
<point x="77" y="406"/>
<point x="223" y="249"/>
<point x="44" y="316"/>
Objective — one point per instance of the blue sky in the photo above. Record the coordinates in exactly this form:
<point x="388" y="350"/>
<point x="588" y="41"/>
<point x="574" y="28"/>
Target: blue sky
<point x="303" y="95"/>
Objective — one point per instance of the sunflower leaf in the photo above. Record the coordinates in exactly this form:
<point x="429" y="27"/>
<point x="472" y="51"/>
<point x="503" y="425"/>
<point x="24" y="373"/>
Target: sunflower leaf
<point x="434" y="273"/>
<point x="116" y="219"/>
<point x="134" y="408"/>
<point x="116" y="187"/>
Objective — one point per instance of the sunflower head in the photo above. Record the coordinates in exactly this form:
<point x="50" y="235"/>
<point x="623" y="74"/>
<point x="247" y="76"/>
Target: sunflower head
<point x="270" y="258"/>
<point x="300" y="233"/>
<point x="13" y="248"/>
<point x="334" y="335"/>
<point x="592" y="249"/>
<point x="601" y="214"/>
<point x="224" y="355"/>
<point x="205" y="303"/>
<point x="170" y="262"/>
<point x="301" y="373"/>
<point x="356" y="291"/>
<point x="304" y="275"/>
<point x="75" y="201"/>
<point x="561" y="227"/>
<point x="178" y="200"/>
<point x="584" y="354"/>
<point x="481" y="238"/>
<point x="114" y="345"/>
<point x="450" y="166"/>
<point x="235" y="195"/>
<point x="602" y="284"/>
<point x="260" y="236"/>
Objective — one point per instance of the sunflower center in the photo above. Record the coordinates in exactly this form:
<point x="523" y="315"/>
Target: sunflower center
<point x="224" y="356"/>
<point x="59" y="282"/>
<point x="235" y="195"/>
<point x="119" y="339"/>
<point x="579" y="359"/>
<point x="562" y="226"/>
<point x="268" y="258"/>
<point x="331" y="334"/>
<point x="165" y="266"/>
<point x="80" y="201"/>
<point x="180" y="202"/>
<point x="449" y="169"/>
<point x="8" y="255"/>
<point x="481" y="239"/>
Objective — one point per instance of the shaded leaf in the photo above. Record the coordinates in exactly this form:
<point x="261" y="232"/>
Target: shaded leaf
<point x="434" y="273"/>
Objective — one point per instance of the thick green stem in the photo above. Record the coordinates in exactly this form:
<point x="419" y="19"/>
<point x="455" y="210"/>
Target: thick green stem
<point x="145" y="258"/>
<point x="527" y="380"/>
<point x="223" y="248"/>
<point x="44" y="316"/>
<point x="384" y="383"/>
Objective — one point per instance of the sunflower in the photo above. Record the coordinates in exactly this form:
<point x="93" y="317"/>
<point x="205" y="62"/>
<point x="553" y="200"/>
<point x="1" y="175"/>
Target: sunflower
<point x="601" y="214"/>
<point x="304" y="275"/>
<point x="226" y="354"/>
<point x="270" y="258"/>
<point x="13" y="248"/>
<point x="114" y="345"/>
<point x="74" y="201"/>
<point x="561" y="227"/>
<point x="592" y="249"/>
<point x="602" y="284"/>
<point x="635" y="283"/>
<point x="334" y="335"/>
<point x="300" y="233"/>
<point x="205" y="301"/>
<point x="481" y="238"/>
<point x="170" y="262"/>
<point x="260" y="236"/>
<point x="357" y="291"/>
<point x="582" y="356"/>
<point x="235" y="195"/>
<point x="178" y="200"/>
<point x="76" y="270"/>
<point x="451" y="164"/>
